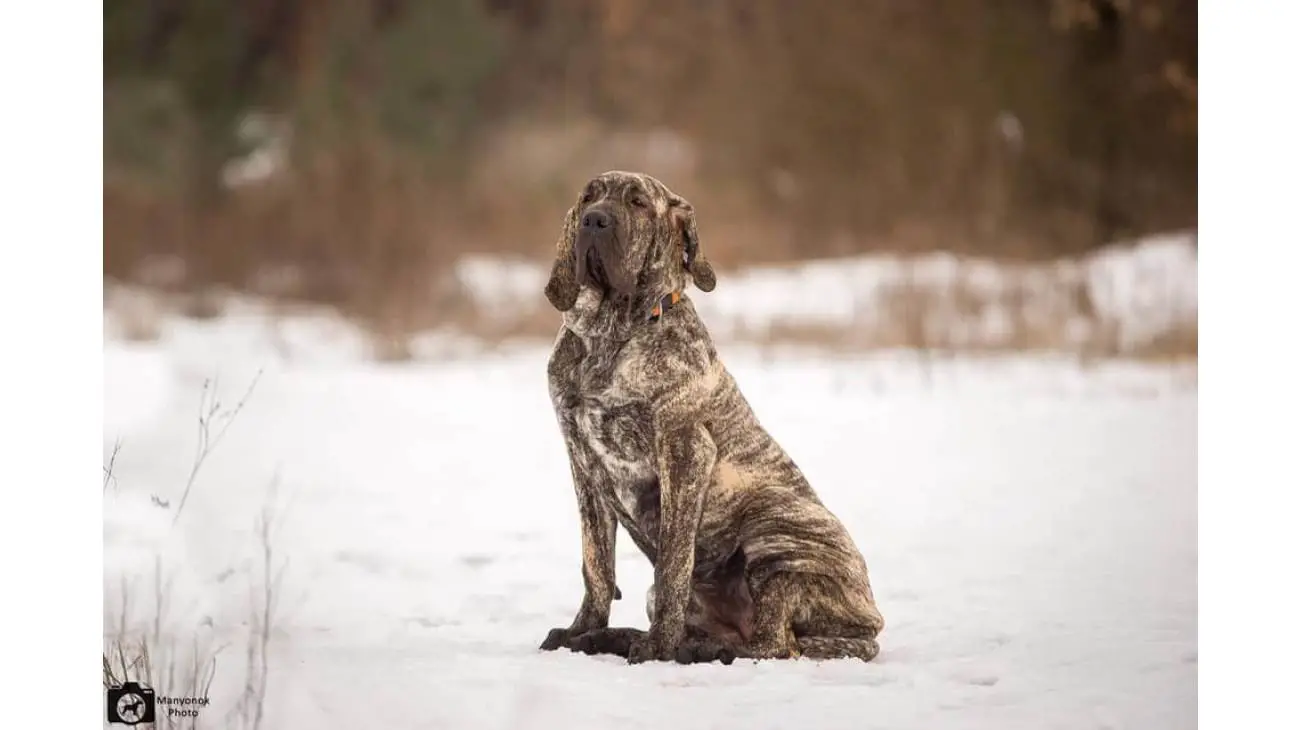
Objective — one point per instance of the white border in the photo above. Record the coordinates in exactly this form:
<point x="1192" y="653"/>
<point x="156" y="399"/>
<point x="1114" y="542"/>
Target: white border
<point x="1249" y="511"/>
<point x="51" y="400"/>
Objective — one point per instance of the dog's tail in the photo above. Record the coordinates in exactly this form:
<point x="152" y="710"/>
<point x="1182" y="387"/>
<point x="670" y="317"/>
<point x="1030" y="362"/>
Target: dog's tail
<point x="836" y="647"/>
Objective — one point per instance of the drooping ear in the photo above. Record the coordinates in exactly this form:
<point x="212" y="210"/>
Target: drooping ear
<point x="697" y="266"/>
<point x="562" y="289"/>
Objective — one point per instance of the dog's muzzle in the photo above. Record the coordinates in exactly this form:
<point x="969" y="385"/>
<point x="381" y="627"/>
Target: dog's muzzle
<point x="590" y="269"/>
<point x="594" y="250"/>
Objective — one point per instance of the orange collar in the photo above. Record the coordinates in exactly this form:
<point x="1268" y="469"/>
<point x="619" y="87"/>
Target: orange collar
<point x="667" y="301"/>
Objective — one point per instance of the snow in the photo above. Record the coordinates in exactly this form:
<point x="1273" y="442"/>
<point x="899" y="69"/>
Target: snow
<point x="1144" y="289"/>
<point x="1029" y="524"/>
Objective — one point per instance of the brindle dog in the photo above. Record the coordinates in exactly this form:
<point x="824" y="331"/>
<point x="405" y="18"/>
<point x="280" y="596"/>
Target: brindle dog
<point x="747" y="560"/>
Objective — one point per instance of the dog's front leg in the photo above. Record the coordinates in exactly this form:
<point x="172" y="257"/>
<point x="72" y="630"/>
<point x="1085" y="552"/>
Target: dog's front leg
<point x="599" y="528"/>
<point x="686" y="455"/>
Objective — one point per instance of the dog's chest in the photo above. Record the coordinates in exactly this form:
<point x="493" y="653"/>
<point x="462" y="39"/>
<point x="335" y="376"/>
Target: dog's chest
<point x="613" y="425"/>
<point x="619" y="437"/>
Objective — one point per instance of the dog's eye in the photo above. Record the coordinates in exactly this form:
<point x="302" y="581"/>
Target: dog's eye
<point x="639" y="202"/>
<point x="588" y="196"/>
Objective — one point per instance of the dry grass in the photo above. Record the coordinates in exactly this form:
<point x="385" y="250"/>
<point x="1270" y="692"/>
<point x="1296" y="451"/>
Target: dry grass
<point x="363" y="229"/>
<point x="363" y="233"/>
<point x="156" y="660"/>
<point x="906" y="314"/>
<point x="142" y="646"/>
<point x="356" y="229"/>
<point x="970" y="310"/>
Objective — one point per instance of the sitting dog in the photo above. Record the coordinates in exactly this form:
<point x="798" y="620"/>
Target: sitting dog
<point x="747" y="561"/>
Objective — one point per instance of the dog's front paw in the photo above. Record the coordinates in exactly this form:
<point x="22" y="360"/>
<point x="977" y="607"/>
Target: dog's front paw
<point x="689" y="650"/>
<point x="704" y="652"/>
<point x="650" y="647"/>
<point x="557" y="638"/>
<point x="615" y="641"/>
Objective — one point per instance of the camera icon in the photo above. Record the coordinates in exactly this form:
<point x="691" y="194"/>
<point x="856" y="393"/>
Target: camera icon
<point x="130" y="704"/>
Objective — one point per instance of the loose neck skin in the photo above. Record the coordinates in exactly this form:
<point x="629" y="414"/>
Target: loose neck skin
<point x="597" y="316"/>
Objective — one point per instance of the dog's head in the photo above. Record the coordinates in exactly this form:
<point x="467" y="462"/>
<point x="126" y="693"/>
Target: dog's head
<point x="627" y="236"/>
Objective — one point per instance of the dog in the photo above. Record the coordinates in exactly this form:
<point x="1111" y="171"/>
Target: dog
<point x="747" y="560"/>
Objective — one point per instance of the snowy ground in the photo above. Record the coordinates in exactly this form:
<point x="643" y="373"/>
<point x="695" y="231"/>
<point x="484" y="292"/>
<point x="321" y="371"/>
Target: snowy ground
<point x="1030" y="529"/>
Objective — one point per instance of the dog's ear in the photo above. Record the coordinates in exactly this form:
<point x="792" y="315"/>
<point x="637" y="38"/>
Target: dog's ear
<point x="697" y="266"/>
<point x="562" y="289"/>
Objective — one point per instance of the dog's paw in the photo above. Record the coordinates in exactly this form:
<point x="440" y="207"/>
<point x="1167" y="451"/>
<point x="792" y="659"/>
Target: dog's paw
<point x="613" y="641"/>
<point x="646" y="649"/>
<point x="555" y="639"/>
<point x="689" y="651"/>
<point x="704" y="652"/>
<point x="693" y="648"/>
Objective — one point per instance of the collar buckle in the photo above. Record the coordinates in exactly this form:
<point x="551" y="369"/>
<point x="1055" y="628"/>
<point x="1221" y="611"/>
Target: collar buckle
<point x="664" y="303"/>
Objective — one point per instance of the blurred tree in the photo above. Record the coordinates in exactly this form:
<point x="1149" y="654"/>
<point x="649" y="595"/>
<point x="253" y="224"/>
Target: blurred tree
<point x="373" y="84"/>
<point x="411" y="72"/>
<point x="1020" y="127"/>
<point x="1130" y="144"/>
<point x="416" y="67"/>
<point x="203" y="63"/>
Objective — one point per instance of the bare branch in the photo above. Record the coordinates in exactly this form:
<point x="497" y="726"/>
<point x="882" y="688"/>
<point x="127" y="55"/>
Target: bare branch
<point x="209" y="412"/>
<point x="112" y="459"/>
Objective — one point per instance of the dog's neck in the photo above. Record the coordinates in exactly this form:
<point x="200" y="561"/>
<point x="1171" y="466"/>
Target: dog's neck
<point x="598" y="317"/>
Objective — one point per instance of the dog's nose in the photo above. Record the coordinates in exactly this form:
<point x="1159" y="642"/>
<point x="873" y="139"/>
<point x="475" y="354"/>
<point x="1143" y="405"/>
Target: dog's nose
<point x="596" y="220"/>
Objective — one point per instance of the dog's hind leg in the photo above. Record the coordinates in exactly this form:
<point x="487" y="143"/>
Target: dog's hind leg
<point x="775" y="604"/>
<point x="812" y="615"/>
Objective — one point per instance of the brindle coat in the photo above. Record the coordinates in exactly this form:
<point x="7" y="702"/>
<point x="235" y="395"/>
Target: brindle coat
<point x="747" y="560"/>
